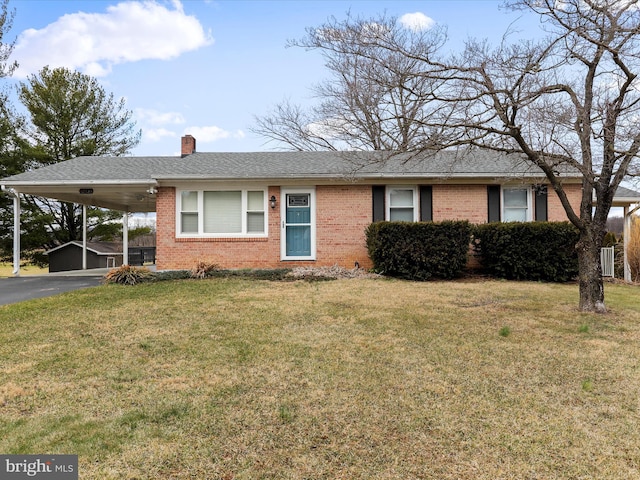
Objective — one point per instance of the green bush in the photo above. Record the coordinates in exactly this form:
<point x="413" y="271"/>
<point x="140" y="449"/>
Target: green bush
<point x="171" y="275"/>
<point x="610" y="240"/>
<point x="419" y="251"/>
<point x="528" y="251"/>
<point x="275" y="274"/>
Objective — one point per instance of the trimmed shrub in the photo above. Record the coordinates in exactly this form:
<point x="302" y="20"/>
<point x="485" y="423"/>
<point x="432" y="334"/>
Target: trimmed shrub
<point x="275" y="274"/>
<point x="171" y="275"/>
<point x="528" y="250"/>
<point x="419" y="251"/>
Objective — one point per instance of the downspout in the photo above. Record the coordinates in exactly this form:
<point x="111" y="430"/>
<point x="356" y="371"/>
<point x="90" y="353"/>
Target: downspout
<point x="16" y="229"/>
<point x="625" y="238"/>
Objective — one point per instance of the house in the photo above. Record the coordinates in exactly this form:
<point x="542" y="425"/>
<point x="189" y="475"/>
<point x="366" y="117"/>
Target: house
<point x="285" y="209"/>
<point x="98" y="255"/>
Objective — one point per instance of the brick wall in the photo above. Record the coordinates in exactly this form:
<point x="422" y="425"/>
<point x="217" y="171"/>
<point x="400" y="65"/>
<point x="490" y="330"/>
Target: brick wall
<point x="342" y="215"/>
<point x="460" y="202"/>
<point x="555" y="210"/>
<point x="469" y="202"/>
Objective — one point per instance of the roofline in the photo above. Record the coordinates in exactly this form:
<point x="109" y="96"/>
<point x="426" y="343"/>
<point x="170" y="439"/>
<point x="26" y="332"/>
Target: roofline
<point x="38" y="183"/>
<point x="624" y="201"/>
<point x="154" y="182"/>
<point x="79" y="244"/>
<point x="367" y="176"/>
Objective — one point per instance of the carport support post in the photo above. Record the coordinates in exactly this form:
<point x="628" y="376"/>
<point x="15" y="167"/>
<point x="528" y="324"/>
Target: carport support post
<point x="16" y="233"/>
<point x="626" y="228"/>
<point x="626" y="236"/>
<point x="84" y="237"/>
<point x="125" y="238"/>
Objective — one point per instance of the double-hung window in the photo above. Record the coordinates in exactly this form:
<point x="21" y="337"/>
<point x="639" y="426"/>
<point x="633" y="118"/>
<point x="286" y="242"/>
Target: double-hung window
<point x="516" y="205"/>
<point x="222" y="213"/>
<point x="189" y="212"/>
<point x="402" y="204"/>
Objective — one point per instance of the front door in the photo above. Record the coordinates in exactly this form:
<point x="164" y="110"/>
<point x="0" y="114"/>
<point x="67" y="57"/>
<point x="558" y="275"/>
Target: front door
<point x="298" y="224"/>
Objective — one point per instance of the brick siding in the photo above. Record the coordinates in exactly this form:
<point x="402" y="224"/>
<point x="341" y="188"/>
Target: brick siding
<point x="342" y="214"/>
<point x="460" y="202"/>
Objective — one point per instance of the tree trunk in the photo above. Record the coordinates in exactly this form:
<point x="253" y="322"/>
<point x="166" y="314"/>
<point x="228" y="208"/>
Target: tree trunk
<point x="590" y="273"/>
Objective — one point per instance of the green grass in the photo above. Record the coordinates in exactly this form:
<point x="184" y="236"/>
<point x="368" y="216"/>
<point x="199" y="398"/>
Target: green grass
<point x="381" y="379"/>
<point x="505" y="331"/>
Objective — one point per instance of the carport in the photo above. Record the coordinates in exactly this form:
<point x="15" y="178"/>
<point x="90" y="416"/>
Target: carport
<point x="88" y="181"/>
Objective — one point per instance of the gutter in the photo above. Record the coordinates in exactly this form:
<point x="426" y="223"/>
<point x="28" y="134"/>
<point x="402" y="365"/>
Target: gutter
<point x="56" y="183"/>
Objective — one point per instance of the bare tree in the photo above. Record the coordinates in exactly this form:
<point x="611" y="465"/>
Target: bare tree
<point x="568" y="102"/>
<point x="376" y="98"/>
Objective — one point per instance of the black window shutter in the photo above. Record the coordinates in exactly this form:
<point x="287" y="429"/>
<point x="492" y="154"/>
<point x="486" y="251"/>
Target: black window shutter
<point x="426" y="203"/>
<point x="493" y="194"/>
<point x="378" y="193"/>
<point x="541" y="203"/>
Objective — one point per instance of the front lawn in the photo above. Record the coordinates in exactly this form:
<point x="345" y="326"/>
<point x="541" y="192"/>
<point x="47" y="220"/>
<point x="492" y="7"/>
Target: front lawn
<point x="6" y="270"/>
<point x="357" y="378"/>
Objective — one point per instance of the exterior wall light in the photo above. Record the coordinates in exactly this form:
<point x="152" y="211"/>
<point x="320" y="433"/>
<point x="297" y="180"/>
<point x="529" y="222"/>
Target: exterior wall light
<point x="272" y="201"/>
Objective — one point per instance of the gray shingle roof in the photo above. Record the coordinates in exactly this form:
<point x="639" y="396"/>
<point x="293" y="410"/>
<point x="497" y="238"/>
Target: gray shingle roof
<point x="126" y="183"/>
<point x="99" y="248"/>
<point x="274" y="165"/>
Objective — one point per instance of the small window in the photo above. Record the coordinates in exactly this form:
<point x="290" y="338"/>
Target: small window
<point x="189" y="212"/>
<point x="401" y="204"/>
<point x="515" y="205"/>
<point x="255" y="212"/>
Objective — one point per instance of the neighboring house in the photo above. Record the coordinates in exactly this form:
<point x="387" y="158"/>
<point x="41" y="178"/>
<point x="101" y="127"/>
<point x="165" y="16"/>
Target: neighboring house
<point x="281" y="209"/>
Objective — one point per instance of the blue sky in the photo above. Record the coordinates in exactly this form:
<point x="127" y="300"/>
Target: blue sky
<point x="208" y="67"/>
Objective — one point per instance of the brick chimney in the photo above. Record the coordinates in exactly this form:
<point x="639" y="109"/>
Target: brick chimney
<point x="188" y="145"/>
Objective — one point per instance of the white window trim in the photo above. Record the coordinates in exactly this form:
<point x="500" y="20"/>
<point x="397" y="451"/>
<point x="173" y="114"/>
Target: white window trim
<point x="529" y="201"/>
<point x="283" y="214"/>
<point x="244" y="197"/>
<point x="387" y="200"/>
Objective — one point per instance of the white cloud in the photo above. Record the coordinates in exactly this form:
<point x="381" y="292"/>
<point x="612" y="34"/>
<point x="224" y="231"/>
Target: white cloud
<point x="157" y="134"/>
<point x="212" y="133"/>
<point x="93" y="42"/>
<point x="416" y="21"/>
<point x="153" y="117"/>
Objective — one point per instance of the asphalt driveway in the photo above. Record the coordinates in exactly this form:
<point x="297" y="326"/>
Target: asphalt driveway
<point x="18" y="289"/>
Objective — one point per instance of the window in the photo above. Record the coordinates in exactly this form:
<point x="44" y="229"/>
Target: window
<point x="222" y="212"/>
<point x="516" y="205"/>
<point x="255" y="212"/>
<point x="189" y="212"/>
<point x="401" y="203"/>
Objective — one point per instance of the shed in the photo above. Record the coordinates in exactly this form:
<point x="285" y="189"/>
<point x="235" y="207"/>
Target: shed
<point x="99" y="255"/>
